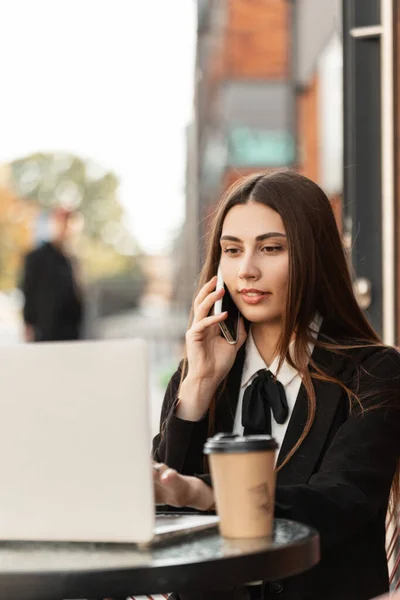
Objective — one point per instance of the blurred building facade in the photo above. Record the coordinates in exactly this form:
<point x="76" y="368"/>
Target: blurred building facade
<point x="317" y="72"/>
<point x="371" y="155"/>
<point x="313" y="85"/>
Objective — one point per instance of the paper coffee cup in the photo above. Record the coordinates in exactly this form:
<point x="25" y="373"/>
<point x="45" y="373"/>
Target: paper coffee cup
<point x="243" y="476"/>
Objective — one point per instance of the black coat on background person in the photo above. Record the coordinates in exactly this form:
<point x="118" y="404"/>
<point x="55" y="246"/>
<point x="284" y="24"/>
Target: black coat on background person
<point x="53" y="307"/>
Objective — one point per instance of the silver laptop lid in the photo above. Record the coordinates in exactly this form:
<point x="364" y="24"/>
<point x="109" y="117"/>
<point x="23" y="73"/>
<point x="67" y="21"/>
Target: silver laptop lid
<point x="75" y="442"/>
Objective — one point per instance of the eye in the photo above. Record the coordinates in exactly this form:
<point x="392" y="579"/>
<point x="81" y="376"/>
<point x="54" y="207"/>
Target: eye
<point x="231" y="251"/>
<point x="271" y="249"/>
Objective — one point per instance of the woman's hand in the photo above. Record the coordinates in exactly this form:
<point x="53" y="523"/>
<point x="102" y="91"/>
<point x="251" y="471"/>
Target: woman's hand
<point x="180" y="490"/>
<point x="210" y="357"/>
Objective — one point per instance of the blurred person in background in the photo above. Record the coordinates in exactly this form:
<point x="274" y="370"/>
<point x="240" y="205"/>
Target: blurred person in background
<point x="53" y="301"/>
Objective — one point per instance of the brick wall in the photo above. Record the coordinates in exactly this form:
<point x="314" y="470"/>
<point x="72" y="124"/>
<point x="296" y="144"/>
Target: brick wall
<point x="257" y="39"/>
<point x="254" y="43"/>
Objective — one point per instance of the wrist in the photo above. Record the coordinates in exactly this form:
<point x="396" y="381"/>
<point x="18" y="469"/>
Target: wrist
<point x="195" y="396"/>
<point x="200" y="495"/>
<point x="200" y="385"/>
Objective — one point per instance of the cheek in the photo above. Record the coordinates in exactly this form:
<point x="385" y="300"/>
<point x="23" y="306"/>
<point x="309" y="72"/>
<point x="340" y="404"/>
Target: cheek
<point x="279" y="273"/>
<point x="229" y="270"/>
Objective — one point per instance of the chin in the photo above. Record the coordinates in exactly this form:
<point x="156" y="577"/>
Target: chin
<point x="259" y="315"/>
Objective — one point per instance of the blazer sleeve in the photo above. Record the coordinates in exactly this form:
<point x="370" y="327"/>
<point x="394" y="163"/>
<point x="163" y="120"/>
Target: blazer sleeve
<point x="28" y="287"/>
<point x="179" y="443"/>
<point x="355" y="477"/>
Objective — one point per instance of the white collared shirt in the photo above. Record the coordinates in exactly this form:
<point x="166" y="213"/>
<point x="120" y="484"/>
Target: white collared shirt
<point x="288" y="376"/>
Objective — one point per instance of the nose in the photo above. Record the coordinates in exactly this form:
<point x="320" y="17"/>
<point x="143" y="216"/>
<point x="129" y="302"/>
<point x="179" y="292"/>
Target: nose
<point x="248" y="268"/>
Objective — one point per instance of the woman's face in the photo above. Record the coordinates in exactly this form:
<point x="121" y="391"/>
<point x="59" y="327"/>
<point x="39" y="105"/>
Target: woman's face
<point x="255" y="262"/>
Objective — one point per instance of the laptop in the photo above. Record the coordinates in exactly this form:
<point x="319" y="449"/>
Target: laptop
<point x="75" y="442"/>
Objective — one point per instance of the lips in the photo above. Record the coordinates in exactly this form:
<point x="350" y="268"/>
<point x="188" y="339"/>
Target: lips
<point x="253" y="296"/>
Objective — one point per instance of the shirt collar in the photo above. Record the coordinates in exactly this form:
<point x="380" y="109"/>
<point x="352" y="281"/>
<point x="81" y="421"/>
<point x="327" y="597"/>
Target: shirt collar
<point x="254" y="361"/>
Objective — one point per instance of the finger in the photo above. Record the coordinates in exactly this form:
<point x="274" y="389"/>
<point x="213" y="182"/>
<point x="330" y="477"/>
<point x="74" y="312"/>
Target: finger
<point x="242" y="333"/>
<point x="165" y="487"/>
<point x="203" y="310"/>
<point x="158" y="466"/>
<point x="205" y="290"/>
<point x="206" y="323"/>
<point x="175" y="487"/>
<point x="169" y="476"/>
<point x="163" y="483"/>
<point x="158" y="469"/>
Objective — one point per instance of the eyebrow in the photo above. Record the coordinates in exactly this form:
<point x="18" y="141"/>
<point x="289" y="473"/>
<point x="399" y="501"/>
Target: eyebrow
<point x="259" y="238"/>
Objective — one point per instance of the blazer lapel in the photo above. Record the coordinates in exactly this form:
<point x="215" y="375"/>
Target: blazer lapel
<point x="328" y="395"/>
<point x="301" y="466"/>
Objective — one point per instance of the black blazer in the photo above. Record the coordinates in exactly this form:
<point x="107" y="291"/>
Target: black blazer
<point x="339" y="479"/>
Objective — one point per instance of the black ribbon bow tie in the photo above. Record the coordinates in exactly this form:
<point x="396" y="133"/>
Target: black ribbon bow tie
<point x="264" y="394"/>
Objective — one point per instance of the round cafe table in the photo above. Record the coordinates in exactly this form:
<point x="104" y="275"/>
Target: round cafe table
<point x="197" y="562"/>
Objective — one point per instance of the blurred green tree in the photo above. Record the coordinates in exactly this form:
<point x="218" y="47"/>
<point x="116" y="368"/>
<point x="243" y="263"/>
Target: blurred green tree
<point x="107" y="247"/>
<point x="58" y="179"/>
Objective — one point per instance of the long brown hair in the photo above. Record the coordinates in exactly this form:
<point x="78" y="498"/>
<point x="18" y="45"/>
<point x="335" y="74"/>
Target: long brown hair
<point x="319" y="281"/>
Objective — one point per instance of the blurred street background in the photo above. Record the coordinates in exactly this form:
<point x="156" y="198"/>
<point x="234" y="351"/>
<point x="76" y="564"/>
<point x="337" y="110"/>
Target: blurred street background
<point x="140" y="114"/>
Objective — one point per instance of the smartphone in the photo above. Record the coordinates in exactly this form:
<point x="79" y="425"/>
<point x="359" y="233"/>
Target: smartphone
<point x="229" y="327"/>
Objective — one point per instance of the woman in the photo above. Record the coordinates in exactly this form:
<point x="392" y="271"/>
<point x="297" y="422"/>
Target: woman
<point x="281" y="257"/>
